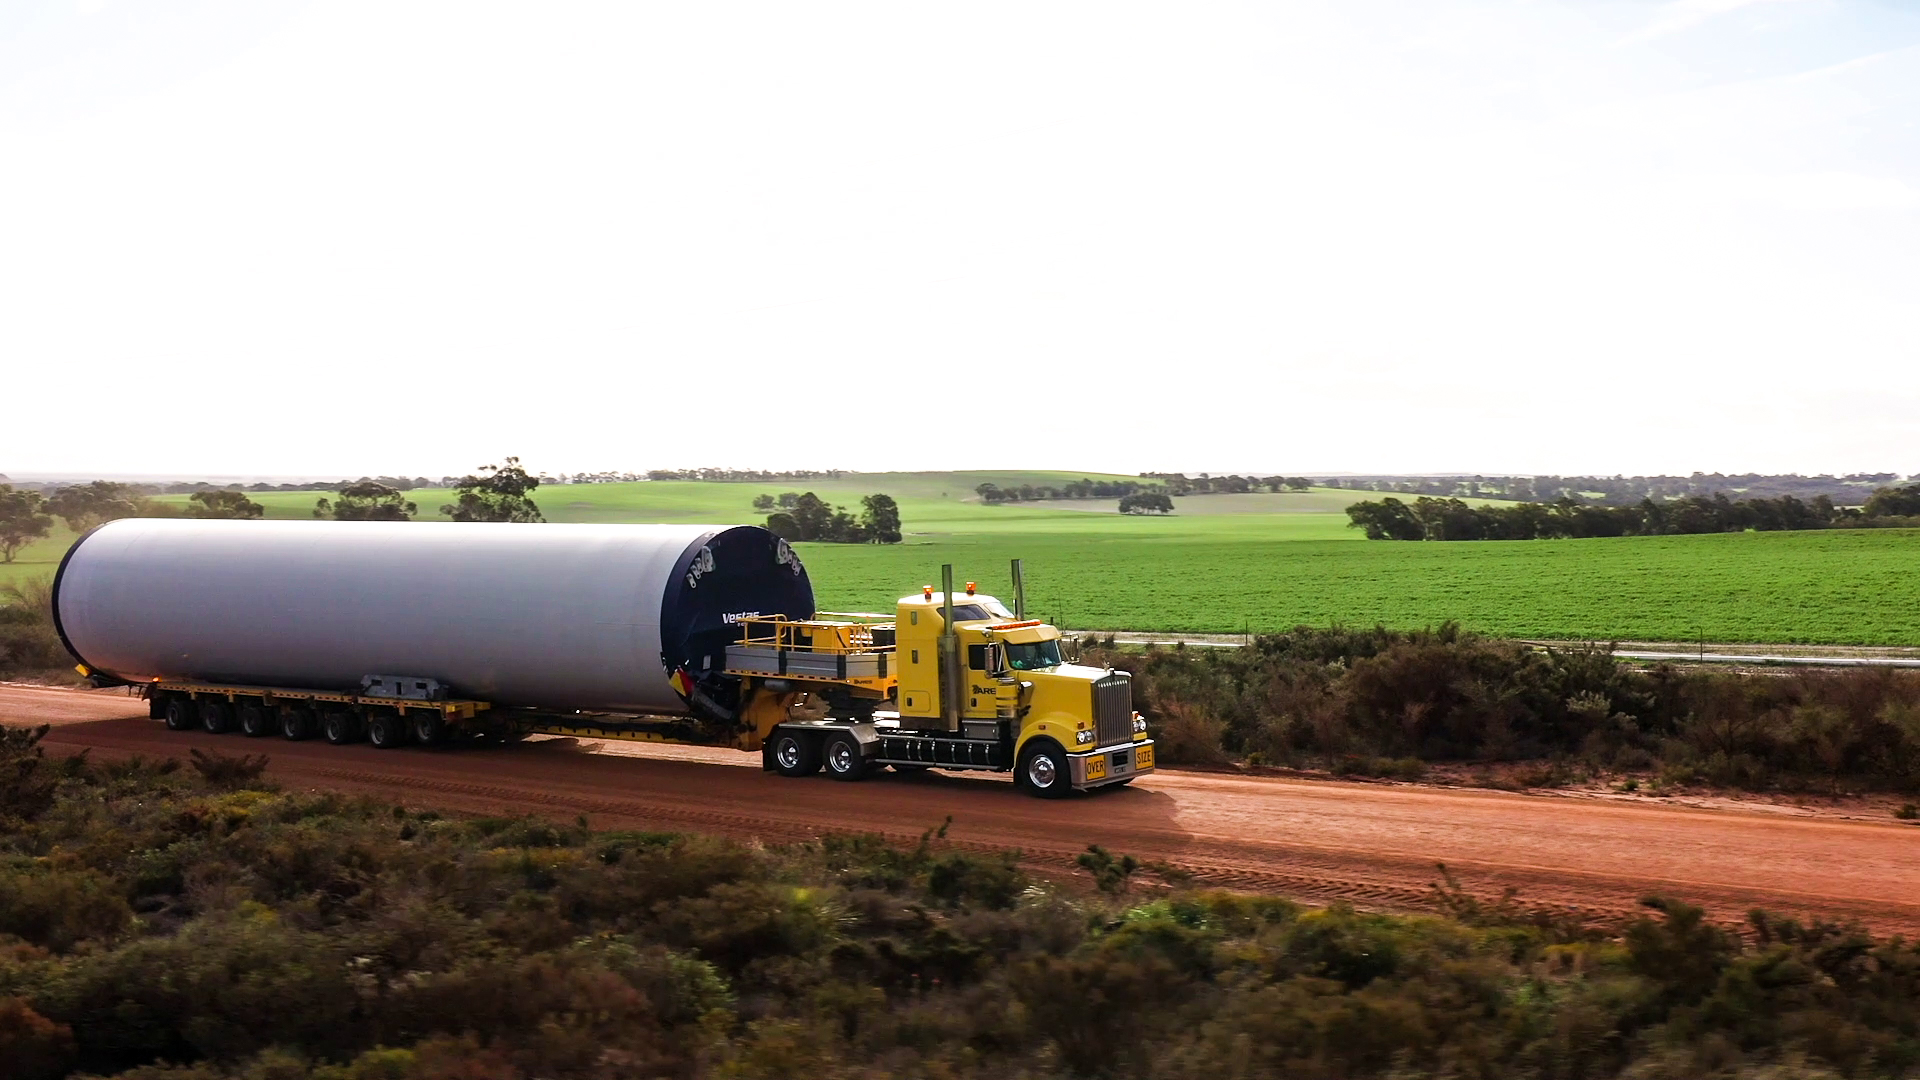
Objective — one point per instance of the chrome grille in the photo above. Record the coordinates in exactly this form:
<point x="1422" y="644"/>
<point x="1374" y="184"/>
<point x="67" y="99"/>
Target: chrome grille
<point x="1113" y="709"/>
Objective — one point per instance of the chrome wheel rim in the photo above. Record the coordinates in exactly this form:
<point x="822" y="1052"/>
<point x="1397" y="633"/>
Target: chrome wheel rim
<point x="787" y="753"/>
<point x="1041" y="772"/>
<point x="841" y="757"/>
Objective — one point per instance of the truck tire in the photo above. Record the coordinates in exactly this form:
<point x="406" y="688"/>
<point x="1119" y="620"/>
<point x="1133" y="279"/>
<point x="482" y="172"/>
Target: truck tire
<point x="180" y="713"/>
<point x="256" y="721"/>
<point x="296" y="723"/>
<point x="340" y="726"/>
<point x="1043" y="770"/>
<point x="216" y="717"/>
<point x="386" y="730"/>
<point x="794" y="755"/>
<point x="428" y="728"/>
<point x="843" y="757"/>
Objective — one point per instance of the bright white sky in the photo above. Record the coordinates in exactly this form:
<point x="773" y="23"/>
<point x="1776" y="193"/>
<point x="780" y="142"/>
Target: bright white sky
<point x="270" y="237"/>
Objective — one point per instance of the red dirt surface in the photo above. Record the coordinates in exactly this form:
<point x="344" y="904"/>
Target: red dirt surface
<point x="1371" y="845"/>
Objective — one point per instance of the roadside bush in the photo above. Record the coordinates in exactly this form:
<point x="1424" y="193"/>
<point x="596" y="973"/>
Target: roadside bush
<point x="1370" y="702"/>
<point x="27" y="781"/>
<point x="29" y="645"/>
<point x="300" y="937"/>
<point x="59" y="909"/>
<point x="33" y="1047"/>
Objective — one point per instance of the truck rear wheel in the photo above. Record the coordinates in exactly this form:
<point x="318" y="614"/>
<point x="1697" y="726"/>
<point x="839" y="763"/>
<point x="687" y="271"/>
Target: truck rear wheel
<point x="843" y="757"/>
<point x="256" y="721"/>
<point x="216" y="717"/>
<point x="386" y="730"/>
<point x="180" y="713"/>
<point x="1043" y="771"/>
<point x="793" y="755"/>
<point x="296" y="723"/>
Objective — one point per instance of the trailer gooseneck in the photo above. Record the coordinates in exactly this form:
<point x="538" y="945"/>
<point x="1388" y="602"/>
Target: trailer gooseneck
<point x="413" y="632"/>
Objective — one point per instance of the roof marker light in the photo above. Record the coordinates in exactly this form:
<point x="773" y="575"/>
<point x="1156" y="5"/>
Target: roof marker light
<point x="970" y="588"/>
<point x="926" y="592"/>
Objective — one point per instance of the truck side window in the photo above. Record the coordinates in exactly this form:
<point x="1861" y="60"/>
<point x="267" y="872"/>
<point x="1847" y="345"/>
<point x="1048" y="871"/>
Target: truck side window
<point x="977" y="657"/>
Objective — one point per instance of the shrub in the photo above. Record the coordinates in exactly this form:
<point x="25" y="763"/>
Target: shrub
<point x="227" y="771"/>
<point x="58" y="909"/>
<point x="27" y="784"/>
<point x="33" y="1047"/>
<point x="29" y="645"/>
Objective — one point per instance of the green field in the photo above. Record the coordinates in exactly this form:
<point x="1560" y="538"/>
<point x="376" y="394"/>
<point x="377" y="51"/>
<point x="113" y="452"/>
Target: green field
<point x="1273" y="561"/>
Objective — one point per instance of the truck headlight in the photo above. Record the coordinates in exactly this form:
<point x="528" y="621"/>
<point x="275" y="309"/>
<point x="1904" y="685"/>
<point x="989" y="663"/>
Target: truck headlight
<point x="1139" y="723"/>
<point x="1083" y="737"/>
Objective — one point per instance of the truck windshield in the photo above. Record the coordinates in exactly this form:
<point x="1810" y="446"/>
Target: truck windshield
<point x="982" y="608"/>
<point x="1039" y="654"/>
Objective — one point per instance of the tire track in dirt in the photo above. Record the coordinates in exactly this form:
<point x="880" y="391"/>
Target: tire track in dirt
<point x="1370" y="845"/>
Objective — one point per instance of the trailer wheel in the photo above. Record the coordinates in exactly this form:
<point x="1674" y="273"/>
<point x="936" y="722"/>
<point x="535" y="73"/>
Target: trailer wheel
<point x="180" y="713"/>
<point x="793" y="755"/>
<point x="843" y="757"/>
<point x="428" y="728"/>
<point x="216" y="717"/>
<point x="256" y="721"/>
<point x="386" y="730"/>
<point x="296" y="723"/>
<point x="340" y="726"/>
<point x="1043" y="771"/>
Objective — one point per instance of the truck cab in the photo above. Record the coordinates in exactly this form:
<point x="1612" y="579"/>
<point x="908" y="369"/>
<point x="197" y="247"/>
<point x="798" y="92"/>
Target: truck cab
<point x="967" y="684"/>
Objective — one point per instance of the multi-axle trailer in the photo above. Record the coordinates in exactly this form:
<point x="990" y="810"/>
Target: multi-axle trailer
<point x="401" y="633"/>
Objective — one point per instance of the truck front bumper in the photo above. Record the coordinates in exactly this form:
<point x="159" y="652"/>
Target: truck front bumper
<point x="1110" y="765"/>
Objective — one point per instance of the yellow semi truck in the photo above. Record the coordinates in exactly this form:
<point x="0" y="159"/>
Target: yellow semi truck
<point x="948" y="681"/>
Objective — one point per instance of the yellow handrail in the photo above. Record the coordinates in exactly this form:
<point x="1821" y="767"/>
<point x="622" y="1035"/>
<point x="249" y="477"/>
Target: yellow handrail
<point x="779" y="632"/>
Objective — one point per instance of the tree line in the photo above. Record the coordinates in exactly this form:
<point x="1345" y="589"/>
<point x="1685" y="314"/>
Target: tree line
<point x="1178" y="484"/>
<point x="807" y="517"/>
<point x="1624" y="490"/>
<point x="735" y="475"/>
<point x="496" y="493"/>
<point x="1428" y="518"/>
<point x="1074" y="489"/>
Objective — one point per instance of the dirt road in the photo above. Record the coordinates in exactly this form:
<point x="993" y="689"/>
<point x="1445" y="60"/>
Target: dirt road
<point x="1370" y="844"/>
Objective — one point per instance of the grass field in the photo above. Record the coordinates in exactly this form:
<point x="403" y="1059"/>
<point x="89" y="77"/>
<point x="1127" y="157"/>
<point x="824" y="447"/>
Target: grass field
<point x="1273" y="561"/>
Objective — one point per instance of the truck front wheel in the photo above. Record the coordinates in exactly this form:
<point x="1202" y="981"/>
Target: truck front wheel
<point x="843" y="757"/>
<point x="1043" y="771"/>
<point x="794" y="756"/>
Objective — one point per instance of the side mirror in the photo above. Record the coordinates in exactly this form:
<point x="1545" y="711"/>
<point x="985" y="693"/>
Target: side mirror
<point x="996" y="659"/>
